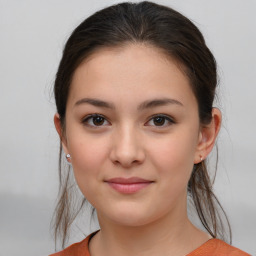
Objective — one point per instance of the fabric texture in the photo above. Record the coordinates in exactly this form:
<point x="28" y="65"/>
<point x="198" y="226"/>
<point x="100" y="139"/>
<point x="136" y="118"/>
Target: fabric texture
<point x="213" y="247"/>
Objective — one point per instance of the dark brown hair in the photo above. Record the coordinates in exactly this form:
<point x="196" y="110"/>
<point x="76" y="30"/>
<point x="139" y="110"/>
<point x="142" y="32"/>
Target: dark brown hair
<point x="179" y="38"/>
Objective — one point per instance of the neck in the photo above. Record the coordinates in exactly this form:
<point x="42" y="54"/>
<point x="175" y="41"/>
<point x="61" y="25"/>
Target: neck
<point x="166" y="236"/>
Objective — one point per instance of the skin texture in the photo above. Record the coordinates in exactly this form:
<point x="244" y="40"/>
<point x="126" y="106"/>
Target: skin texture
<point x="131" y="142"/>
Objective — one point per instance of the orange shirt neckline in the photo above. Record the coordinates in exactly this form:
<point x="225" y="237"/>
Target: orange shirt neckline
<point x="212" y="247"/>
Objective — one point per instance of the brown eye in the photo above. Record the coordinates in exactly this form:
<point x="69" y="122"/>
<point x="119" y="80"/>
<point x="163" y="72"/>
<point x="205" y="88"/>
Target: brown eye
<point x="95" y="120"/>
<point x="159" y="120"/>
<point x="98" y="120"/>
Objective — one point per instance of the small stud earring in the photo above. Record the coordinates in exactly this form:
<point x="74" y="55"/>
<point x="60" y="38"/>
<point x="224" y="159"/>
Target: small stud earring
<point x="68" y="157"/>
<point x="201" y="158"/>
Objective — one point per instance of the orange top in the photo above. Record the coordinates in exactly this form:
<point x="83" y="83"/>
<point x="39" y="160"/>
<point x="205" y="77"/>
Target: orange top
<point x="213" y="247"/>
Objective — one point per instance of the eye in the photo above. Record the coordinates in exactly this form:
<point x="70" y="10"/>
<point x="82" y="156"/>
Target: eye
<point x="160" y="121"/>
<point x="95" y="120"/>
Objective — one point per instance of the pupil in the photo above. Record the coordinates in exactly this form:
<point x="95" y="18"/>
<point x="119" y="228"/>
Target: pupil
<point x="98" y="120"/>
<point x="159" y="120"/>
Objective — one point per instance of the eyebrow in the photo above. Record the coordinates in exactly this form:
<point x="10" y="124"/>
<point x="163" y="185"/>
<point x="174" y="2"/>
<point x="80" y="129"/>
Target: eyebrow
<point x="157" y="103"/>
<point x="95" y="102"/>
<point x="144" y="105"/>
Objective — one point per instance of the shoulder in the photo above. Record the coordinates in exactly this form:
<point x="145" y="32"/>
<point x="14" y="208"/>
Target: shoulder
<point x="76" y="249"/>
<point x="217" y="247"/>
<point x="213" y="247"/>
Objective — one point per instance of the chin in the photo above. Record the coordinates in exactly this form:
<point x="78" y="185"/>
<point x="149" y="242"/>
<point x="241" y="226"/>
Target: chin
<point x="132" y="216"/>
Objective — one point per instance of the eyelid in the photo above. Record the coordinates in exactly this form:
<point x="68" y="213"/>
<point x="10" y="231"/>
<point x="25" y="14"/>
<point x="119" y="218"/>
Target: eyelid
<point x="167" y="117"/>
<point x="90" y="116"/>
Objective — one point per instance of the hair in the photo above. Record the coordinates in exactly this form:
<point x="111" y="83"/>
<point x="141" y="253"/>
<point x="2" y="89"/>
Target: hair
<point x="168" y="30"/>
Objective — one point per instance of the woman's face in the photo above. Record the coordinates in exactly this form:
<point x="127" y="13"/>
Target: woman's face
<point x="132" y="130"/>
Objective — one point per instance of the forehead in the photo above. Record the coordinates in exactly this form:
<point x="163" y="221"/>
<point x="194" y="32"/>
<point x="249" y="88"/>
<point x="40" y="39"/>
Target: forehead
<point x="130" y="71"/>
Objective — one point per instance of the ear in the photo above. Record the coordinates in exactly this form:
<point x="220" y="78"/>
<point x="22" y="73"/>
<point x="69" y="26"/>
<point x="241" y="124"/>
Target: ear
<point x="207" y="136"/>
<point x="60" y="131"/>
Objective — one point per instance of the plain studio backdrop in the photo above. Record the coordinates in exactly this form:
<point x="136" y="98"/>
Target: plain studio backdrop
<point x="32" y="36"/>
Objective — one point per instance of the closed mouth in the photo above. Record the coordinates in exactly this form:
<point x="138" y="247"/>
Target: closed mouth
<point x="128" y="185"/>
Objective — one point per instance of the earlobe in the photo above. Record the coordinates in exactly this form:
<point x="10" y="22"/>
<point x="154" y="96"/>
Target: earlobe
<point x="207" y="136"/>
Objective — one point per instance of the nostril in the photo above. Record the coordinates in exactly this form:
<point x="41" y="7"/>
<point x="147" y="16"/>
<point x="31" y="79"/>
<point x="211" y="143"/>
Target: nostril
<point x="126" y="150"/>
<point x="127" y="162"/>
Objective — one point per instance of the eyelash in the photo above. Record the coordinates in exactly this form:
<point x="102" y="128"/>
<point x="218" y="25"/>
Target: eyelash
<point x="168" y="119"/>
<point x="90" y="117"/>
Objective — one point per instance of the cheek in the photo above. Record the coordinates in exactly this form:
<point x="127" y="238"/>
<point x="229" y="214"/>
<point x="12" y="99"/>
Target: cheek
<point x="88" y="155"/>
<point x="174" y="156"/>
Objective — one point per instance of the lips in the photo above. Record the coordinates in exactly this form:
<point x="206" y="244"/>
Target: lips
<point x="128" y="185"/>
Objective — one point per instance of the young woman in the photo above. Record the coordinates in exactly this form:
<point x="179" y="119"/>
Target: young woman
<point x="134" y="94"/>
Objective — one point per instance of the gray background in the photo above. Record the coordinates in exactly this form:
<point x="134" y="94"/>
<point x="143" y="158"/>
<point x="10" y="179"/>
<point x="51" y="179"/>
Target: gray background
<point x="32" y="37"/>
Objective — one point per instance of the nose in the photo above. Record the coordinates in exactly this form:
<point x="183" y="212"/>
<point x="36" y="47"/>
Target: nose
<point x="127" y="148"/>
